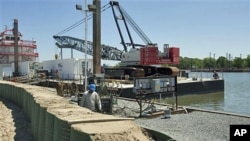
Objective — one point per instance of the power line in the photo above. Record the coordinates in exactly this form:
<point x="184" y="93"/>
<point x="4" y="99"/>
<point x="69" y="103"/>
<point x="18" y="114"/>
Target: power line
<point x="74" y="25"/>
<point x="103" y="8"/>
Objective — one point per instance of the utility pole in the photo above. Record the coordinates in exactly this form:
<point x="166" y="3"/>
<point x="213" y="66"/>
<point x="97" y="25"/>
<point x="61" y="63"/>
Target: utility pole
<point x="86" y="45"/>
<point x="79" y="7"/>
<point x="96" y="36"/>
<point x="15" y="31"/>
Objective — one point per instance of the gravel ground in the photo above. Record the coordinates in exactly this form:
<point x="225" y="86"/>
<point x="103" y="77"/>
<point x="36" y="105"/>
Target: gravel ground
<point x="194" y="126"/>
<point x="15" y="122"/>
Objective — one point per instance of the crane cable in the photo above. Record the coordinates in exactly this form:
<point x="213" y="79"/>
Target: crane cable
<point x="136" y="28"/>
<point x="103" y="8"/>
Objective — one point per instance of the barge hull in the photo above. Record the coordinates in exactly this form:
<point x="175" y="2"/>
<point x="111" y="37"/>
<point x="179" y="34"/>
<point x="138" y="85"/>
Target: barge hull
<point x="194" y="87"/>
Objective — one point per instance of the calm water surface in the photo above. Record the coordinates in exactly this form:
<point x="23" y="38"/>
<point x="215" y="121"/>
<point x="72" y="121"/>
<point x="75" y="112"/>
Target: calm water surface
<point x="235" y="98"/>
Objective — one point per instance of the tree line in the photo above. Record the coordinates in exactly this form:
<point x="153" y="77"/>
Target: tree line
<point x="209" y="63"/>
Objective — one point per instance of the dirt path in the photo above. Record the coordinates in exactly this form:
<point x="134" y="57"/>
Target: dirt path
<point x="14" y="126"/>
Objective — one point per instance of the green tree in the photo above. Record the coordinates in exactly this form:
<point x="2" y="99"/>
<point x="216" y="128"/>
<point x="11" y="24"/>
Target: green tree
<point x="211" y="63"/>
<point x="196" y="63"/>
<point x="208" y="63"/>
<point x="221" y="62"/>
<point x="244" y="63"/>
<point x="185" y="63"/>
<point x="237" y="63"/>
<point x="248" y="61"/>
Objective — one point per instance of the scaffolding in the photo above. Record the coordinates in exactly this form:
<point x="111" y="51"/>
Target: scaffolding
<point x="27" y="49"/>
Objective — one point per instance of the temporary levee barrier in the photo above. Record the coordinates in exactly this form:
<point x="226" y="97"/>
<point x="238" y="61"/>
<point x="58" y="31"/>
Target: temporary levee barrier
<point x="54" y="118"/>
<point x="127" y="131"/>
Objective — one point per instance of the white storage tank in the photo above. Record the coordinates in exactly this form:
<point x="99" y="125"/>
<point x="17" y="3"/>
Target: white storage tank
<point x="27" y="68"/>
<point x="69" y="69"/>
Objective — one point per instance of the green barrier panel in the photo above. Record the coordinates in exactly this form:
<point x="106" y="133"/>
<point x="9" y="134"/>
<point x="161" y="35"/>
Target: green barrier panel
<point x="24" y="101"/>
<point x="50" y="119"/>
<point x="61" y="130"/>
<point x="6" y="88"/>
<point x="32" y="119"/>
<point x="10" y="93"/>
<point x="30" y="105"/>
<point x="14" y="95"/>
<point x="2" y="91"/>
<point x="76" y="135"/>
<point x="35" y="119"/>
<point x="49" y="126"/>
<point x="26" y="104"/>
<point x="158" y="135"/>
<point x="7" y="92"/>
<point x="41" y="123"/>
<point x="19" y="96"/>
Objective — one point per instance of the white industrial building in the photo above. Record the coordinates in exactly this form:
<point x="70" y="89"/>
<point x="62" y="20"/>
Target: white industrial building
<point x="67" y="69"/>
<point x="72" y="68"/>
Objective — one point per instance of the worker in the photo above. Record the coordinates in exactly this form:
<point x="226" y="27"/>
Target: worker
<point x="57" y="74"/>
<point x="215" y="75"/>
<point x="91" y="100"/>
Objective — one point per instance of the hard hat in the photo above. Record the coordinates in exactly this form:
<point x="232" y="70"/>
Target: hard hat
<point x="92" y="87"/>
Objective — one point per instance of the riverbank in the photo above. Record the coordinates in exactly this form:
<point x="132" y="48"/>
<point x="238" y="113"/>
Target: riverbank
<point x="220" y="70"/>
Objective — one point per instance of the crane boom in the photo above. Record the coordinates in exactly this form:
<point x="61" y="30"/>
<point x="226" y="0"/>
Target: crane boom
<point x="124" y="16"/>
<point x="107" y="52"/>
<point x="137" y="29"/>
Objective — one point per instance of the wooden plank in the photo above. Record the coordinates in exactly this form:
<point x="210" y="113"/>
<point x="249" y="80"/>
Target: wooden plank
<point x="98" y="120"/>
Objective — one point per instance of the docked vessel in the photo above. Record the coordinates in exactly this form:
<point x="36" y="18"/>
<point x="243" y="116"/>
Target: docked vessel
<point x="27" y="49"/>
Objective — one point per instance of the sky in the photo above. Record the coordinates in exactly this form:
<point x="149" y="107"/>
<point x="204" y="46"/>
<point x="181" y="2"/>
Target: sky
<point x="198" y="27"/>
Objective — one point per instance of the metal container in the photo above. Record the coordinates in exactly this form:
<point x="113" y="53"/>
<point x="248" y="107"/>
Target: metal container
<point x="167" y="113"/>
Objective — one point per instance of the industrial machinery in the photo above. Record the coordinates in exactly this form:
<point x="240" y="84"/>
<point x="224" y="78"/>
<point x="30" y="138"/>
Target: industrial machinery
<point x="145" y="87"/>
<point x="142" y="63"/>
<point x="142" y="59"/>
<point x="67" y="89"/>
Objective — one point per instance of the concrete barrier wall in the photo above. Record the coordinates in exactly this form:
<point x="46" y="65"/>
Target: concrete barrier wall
<point x="53" y="118"/>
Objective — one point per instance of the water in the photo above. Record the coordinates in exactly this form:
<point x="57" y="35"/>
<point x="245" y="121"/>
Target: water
<point x="234" y="99"/>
